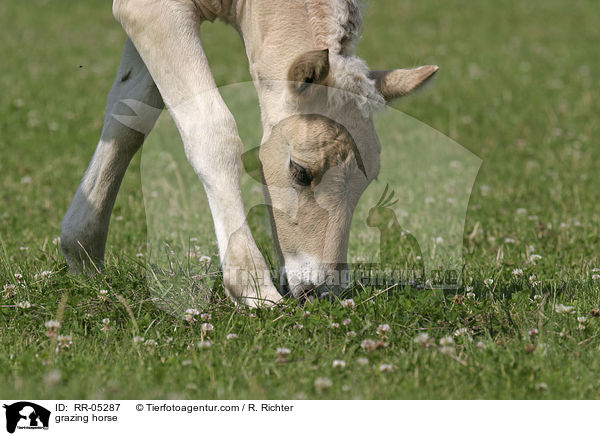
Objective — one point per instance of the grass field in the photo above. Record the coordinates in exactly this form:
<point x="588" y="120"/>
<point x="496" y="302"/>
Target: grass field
<point x="517" y="87"/>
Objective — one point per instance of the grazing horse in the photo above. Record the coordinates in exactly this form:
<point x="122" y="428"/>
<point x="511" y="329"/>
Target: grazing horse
<point x="319" y="149"/>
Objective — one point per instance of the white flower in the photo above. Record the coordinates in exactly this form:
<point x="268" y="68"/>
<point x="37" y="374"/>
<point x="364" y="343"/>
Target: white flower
<point x="509" y="241"/>
<point x="386" y="367"/>
<point x="106" y="321"/>
<point x="488" y="282"/>
<point x="306" y="314"/>
<point x="64" y="341"/>
<point x="538" y="297"/>
<point x="335" y="325"/>
<point x="204" y="259"/>
<point x="298" y="326"/>
<point x="19" y="277"/>
<point x="43" y="275"/>
<point x="596" y="277"/>
<point x="24" y="304"/>
<point x="282" y="353"/>
<point x="470" y="295"/>
<point x="347" y="322"/>
<point x="207" y="327"/>
<point x="533" y="258"/>
<point x="9" y="289"/>
<point x="533" y="331"/>
<point x="103" y="292"/>
<point x="190" y="314"/>
<point x="138" y="339"/>
<point x="446" y="341"/>
<point x="439" y="240"/>
<point x="521" y="211"/>
<point x="232" y="336"/>
<point x="461" y="331"/>
<point x="383" y="329"/>
<point x="351" y="334"/>
<point x="348" y="304"/>
<point x="52" y="324"/>
<point x="204" y="344"/>
<point x="206" y="317"/>
<point x="561" y="308"/>
<point x="517" y="272"/>
<point x="421" y="338"/>
<point x="150" y="343"/>
<point x="338" y="364"/>
<point x="368" y="345"/>
<point x="322" y="383"/>
<point x="362" y="361"/>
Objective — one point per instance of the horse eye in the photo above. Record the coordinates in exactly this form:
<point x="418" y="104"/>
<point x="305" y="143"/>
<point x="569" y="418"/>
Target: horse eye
<point x="301" y="175"/>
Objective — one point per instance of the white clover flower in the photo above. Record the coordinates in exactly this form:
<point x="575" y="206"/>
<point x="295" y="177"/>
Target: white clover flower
<point x="150" y="343"/>
<point x="538" y="297"/>
<point x="338" y="364"/>
<point x="19" y="277"/>
<point x="56" y="240"/>
<point x="322" y="383"/>
<point x="64" y="341"/>
<point x="533" y="258"/>
<point x="282" y="352"/>
<point x="204" y="259"/>
<point x="480" y="344"/>
<point x="335" y="325"/>
<point x="190" y="314"/>
<point x="461" y="331"/>
<point x="488" y="282"/>
<point x="207" y="327"/>
<point x="138" y="339"/>
<point x="509" y="241"/>
<point x="348" y="304"/>
<point x="446" y="341"/>
<point x="561" y="308"/>
<point x="386" y="367"/>
<point x="596" y="277"/>
<point x="298" y="326"/>
<point x="470" y="295"/>
<point x="383" y="329"/>
<point x="306" y="314"/>
<point x="204" y="344"/>
<point x="421" y="338"/>
<point x="517" y="272"/>
<point x="347" y="322"/>
<point x="351" y="334"/>
<point x="9" y="290"/>
<point x="368" y="345"/>
<point x="596" y="270"/>
<point x="186" y="362"/>
<point x="103" y="292"/>
<point x="52" y="324"/>
<point x="42" y="275"/>
<point x="533" y="331"/>
<point x="362" y="361"/>
<point x="206" y="317"/>
<point x="232" y="336"/>
<point x="439" y="240"/>
<point x="106" y="321"/>
<point x="24" y="304"/>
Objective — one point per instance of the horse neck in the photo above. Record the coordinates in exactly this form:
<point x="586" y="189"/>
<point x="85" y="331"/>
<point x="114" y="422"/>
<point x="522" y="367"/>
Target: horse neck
<point x="274" y="32"/>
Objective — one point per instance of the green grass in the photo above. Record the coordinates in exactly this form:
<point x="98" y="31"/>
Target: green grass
<point x="517" y="87"/>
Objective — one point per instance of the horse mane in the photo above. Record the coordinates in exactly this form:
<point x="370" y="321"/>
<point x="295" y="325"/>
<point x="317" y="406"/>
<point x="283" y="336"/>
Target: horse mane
<point x="337" y="25"/>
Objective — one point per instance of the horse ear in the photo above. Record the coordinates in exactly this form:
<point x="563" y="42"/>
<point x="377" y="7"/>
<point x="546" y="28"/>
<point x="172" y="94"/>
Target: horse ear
<point x="397" y="83"/>
<point x="308" y="68"/>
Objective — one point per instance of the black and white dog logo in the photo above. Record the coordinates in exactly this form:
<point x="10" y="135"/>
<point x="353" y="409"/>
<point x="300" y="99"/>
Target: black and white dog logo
<point x="26" y="415"/>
